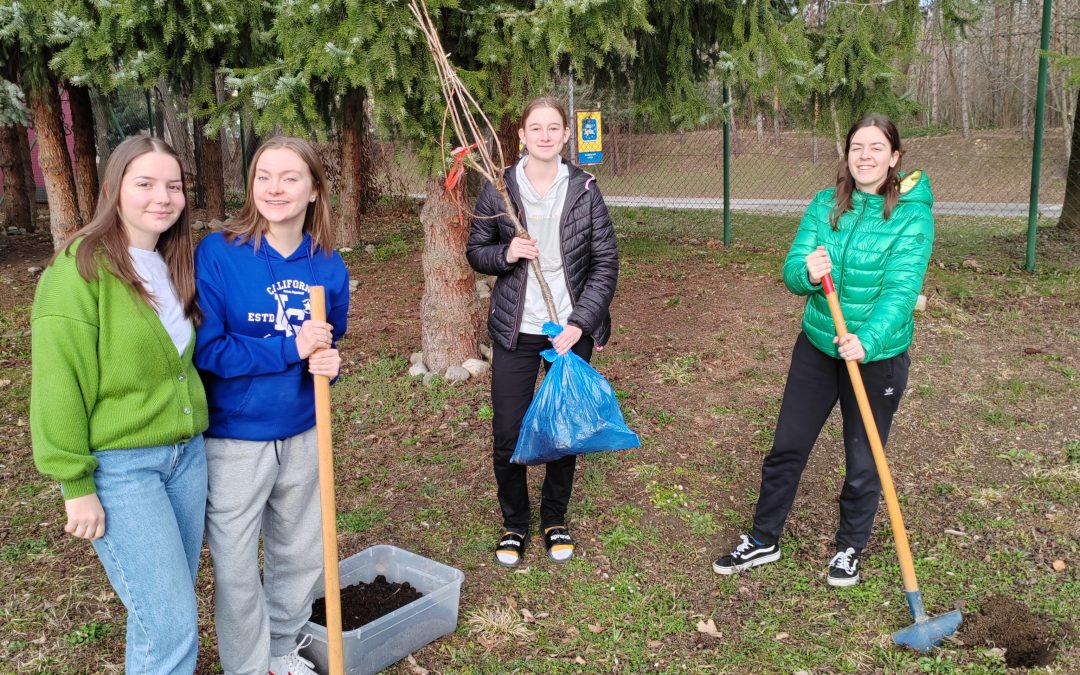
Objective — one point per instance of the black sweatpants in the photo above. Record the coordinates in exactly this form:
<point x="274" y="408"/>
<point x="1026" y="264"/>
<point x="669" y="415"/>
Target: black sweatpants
<point x="815" y="382"/>
<point x="513" y="381"/>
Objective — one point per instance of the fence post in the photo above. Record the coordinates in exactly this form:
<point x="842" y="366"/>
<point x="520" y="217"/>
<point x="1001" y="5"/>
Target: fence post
<point x="573" y="117"/>
<point x="1036" y="153"/>
<point x="727" y="167"/>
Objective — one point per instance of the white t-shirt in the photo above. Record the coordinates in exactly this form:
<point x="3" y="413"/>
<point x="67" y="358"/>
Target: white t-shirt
<point x="155" y="275"/>
<point x="542" y="216"/>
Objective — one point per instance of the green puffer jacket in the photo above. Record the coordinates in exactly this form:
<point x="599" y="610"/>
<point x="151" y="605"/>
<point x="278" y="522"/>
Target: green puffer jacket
<point x="878" y="266"/>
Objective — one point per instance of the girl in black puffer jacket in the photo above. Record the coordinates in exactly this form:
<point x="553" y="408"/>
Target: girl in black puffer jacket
<point x="571" y="233"/>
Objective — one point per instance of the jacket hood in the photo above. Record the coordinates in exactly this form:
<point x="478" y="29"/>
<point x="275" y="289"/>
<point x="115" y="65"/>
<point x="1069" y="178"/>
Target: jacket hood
<point x="915" y="188"/>
<point x="302" y="251"/>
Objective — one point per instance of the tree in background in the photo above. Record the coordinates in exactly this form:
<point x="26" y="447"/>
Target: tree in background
<point x="17" y="199"/>
<point x="28" y="36"/>
<point x="864" y="47"/>
<point x="1070" y="208"/>
<point x="130" y="42"/>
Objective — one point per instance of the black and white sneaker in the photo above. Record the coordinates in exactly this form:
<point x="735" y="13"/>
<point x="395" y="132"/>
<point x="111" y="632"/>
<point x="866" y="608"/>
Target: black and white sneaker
<point x="747" y="554"/>
<point x="844" y="568"/>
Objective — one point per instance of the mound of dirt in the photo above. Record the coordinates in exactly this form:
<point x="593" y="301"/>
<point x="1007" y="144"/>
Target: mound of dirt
<point x="1005" y="623"/>
<point x="362" y="603"/>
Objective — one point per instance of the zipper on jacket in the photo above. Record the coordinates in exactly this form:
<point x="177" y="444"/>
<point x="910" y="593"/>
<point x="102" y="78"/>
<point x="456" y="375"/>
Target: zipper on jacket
<point x="843" y="253"/>
<point x="568" y="206"/>
<point x="515" y="198"/>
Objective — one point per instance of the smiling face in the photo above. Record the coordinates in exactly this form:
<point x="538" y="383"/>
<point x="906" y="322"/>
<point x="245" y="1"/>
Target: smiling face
<point x="869" y="158"/>
<point x="544" y="133"/>
<point x="283" y="187"/>
<point x="151" y="198"/>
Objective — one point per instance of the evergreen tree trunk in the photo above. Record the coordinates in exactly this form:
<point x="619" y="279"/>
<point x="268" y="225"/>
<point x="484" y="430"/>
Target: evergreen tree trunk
<point x="101" y="128"/>
<point x="84" y="160"/>
<point x="1070" y="210"/>
<point x="508" y="139"/>
<point x="815" y="153"/>
<point x="198" y="143"/>
<point x="507" y="127"/>
<point x="16" y="207"/>
<point x="44" y="101"/>
<point x="211" y="173"/>
<point x="177" y="130"/>
<point x="23" y="148"/>
<point x="450" y="311"/>
<point x="352" y="168"/>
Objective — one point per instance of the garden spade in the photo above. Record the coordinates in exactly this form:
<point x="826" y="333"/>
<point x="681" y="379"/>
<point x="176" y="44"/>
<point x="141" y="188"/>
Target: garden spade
<point x="927" y="631"/>
<point x="331" y="577"/>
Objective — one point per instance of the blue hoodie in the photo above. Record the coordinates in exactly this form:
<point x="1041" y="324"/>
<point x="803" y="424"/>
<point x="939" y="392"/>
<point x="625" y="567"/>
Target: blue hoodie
<point x="253" y="304"/>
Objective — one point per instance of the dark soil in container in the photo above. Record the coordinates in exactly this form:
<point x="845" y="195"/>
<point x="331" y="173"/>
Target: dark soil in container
<point x="362" y="603"/>
<point x="1005" y="623"/>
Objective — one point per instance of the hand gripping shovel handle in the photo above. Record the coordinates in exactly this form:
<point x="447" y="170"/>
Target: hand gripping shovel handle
<point x="925" y="632"/>
<point x="903" y="550"/>
<point x="331" y="575"/>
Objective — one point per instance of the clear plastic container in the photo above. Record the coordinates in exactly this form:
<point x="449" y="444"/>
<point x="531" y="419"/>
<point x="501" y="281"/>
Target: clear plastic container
<point x="392" y="637"/>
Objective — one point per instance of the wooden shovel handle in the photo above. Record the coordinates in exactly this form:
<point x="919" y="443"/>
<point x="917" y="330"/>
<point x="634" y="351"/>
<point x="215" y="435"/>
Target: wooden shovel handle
<point x="331" y="577"/>
<point x="903" y="550"/>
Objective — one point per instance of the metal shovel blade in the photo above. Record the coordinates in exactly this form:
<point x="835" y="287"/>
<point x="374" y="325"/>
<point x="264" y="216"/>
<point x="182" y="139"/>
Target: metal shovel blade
<point x="927" y="632"/>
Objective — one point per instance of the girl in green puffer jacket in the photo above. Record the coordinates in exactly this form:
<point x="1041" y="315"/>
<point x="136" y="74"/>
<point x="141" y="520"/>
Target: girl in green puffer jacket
<point x="873" y="232"/>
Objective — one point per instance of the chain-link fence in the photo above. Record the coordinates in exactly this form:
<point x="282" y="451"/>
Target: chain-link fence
<point x="773" y="168"/>
<point x="779" y="171"/>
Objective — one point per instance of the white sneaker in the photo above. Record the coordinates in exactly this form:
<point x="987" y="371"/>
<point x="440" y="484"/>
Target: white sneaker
<point x="292" y="663"/>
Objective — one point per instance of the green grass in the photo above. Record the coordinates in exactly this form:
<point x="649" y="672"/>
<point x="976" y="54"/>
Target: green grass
<point x="982" y="447"/>
<point x="360" y="520"/>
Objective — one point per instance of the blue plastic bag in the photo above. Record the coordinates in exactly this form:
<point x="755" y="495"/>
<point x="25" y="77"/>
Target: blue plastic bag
<point x="574" y="411"/>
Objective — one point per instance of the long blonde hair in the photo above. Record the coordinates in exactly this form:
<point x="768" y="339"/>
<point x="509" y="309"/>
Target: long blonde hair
<point x="249" y="223"/>
<point x="105" y="237"/>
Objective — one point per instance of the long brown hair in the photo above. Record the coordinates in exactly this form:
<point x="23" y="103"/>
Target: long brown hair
<point x="249" y="224"/>
<point x="845" y="182"/>
<point x="105" y="237"/>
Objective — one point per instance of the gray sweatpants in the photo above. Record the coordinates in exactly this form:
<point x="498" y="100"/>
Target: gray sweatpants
<point x="273" y="487"/>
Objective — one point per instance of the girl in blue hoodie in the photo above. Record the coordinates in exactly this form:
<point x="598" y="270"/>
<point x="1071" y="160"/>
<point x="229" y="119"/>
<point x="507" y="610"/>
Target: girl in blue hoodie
<point x="257" y="349"/>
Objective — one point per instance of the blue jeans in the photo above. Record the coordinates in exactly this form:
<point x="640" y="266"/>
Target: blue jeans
<point x="155" y="500"/>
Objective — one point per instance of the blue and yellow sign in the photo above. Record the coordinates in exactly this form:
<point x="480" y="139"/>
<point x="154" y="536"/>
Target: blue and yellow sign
<point x="590" y="145"/>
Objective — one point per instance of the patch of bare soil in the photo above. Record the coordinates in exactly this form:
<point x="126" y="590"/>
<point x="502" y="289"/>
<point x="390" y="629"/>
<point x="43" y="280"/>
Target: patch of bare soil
<point x="1005" y="623"/>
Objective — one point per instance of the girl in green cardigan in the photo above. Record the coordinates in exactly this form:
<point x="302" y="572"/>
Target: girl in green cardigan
<point x="117" y="409"/>
<point x="873" y="232"/>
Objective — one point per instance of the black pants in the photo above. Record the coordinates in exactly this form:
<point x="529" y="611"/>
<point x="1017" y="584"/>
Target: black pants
<point x="513" y="381"/>
<point x="815" y="382"/>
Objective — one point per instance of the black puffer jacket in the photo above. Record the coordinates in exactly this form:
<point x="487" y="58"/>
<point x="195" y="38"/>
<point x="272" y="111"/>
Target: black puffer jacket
<point x="590" y="258"/>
